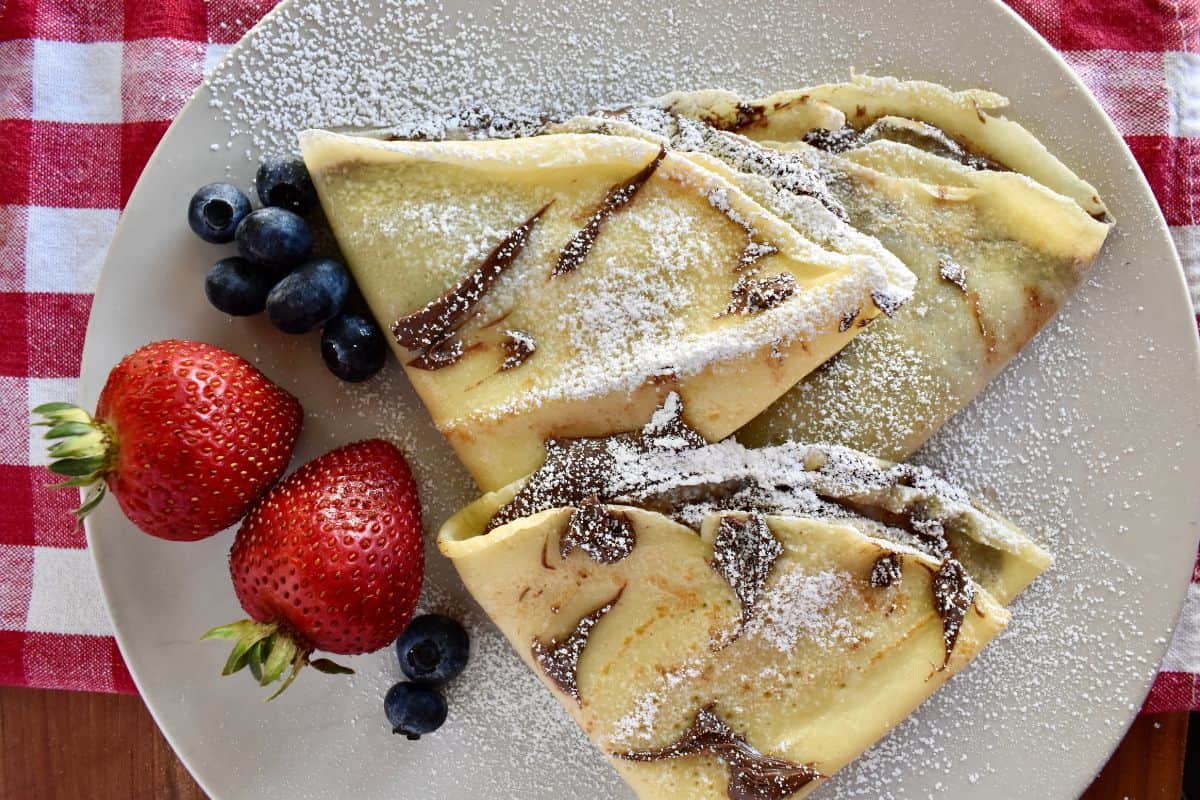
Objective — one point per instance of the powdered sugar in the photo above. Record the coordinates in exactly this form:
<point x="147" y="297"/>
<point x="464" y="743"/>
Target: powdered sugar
<point x="1077" y="640"/>
<point x="802" y="610"/>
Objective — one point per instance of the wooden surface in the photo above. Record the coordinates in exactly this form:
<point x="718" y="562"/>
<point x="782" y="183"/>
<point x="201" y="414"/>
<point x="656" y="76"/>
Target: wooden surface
<point x="70" y="745"/>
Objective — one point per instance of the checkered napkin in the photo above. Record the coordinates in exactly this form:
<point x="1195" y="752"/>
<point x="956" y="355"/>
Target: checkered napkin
<point x="87" y="88"/>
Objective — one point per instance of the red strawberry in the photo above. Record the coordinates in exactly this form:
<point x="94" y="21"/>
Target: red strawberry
<point x="331" y="559"/>
<point x="186" y="435"/>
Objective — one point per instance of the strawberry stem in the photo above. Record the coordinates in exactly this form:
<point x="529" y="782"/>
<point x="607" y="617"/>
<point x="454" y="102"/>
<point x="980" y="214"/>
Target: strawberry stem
<point x="268" y="652"/>
<point x="82" y="449"/>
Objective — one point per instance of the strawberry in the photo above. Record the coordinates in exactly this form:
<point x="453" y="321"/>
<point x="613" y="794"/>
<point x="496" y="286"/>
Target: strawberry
<point x="186" y="436"/>
<point x="332" y="559"/>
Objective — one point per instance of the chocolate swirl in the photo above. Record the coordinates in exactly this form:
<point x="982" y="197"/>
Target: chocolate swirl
<point x="431" y="330"/>
<point x="619" y="196"/>
<point x="560" y="660"/>
<point x="752" y="775"/>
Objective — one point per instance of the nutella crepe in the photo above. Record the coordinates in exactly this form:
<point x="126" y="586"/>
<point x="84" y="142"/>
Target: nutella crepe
<point x="561" y="286"/>
<point x="814" y="598"/>
<point x="998" y="232"/>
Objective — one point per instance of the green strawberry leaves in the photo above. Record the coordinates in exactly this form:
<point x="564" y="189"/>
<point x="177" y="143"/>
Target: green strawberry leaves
<point x="81" y="449"/>
<point x="268" y="653"/>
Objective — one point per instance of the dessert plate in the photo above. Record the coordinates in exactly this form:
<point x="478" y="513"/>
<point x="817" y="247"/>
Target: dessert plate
<point x="1089" y="440"/>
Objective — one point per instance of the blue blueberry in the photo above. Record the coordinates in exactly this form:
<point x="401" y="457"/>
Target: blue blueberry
<point x="285" y="183"/>
<point x="414" y="709"/>
<point x="309" y="297"/>
<point x="216" y="210"/>
<point x="275" y="238"/>
<point x="433" y="649"/>
<point x="353" y="347"/>
<point x="237" y="287"/>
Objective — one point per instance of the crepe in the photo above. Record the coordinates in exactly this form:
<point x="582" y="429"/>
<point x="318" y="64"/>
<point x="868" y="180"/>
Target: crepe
<point x="998" y="232"/>
<point x="563" y="285"/>
<point x="795" y="625"/>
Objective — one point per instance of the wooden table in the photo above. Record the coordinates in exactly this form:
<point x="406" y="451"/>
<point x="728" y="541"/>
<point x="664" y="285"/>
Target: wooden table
<point x="71" y="745"/>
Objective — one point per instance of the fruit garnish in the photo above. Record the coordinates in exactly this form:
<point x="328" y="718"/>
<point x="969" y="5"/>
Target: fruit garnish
<point x="353" y="347"/>
<point x="285" y="183"/>
<point x="216" y="210"/>
<point x="414" y="709"/>
<point x="274" y="237"/>
<point x="237" y="287"/>
<point x="433" y="649"/>
<point x="186" y="435"/>
<point x="331" y="559"/>
<point x="309" y="297"/>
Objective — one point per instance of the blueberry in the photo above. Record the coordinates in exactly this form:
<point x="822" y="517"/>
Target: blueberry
<point x="353" y="347"/>
<point x="309" y="297"/>
<point x="285" y="183"/>
<point x="237" y="287"/>
<point x="274" y="237"/>
<point x="414" y="709"/>
<point x="433" y="649"/>
<point x="215" y="211"/>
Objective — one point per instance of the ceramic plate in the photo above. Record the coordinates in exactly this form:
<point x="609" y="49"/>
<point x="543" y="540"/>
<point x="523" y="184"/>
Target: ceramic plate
<point x="1089" y="439"/>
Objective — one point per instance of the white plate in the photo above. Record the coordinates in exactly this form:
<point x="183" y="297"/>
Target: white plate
<point x="1090" y="440"/>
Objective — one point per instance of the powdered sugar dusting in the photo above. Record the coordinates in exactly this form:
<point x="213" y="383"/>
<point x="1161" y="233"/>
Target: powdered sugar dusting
<point x="803" y="608"/>
<point x="1076" y="641"/>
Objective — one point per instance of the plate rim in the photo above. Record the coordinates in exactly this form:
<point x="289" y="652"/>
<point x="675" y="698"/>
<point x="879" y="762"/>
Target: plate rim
<point x="89" y="383"/>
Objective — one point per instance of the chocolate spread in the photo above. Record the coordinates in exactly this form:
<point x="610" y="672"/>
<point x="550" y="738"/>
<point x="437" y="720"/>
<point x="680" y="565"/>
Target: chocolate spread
<point x="617" y="197"/>
<point x="927" y="137"/>
<point x="753" y="253"/>
<point x="578" y="469"/>
<point x="848" y="320"/>
<point x="431" y="330"/>
<point x="560" y="660"/>
<point x="886" y="303"/>
<point x="441" y="354"/>
<point x="886" y="571"/>
<point x="518" y="346"/>
<point x="953" y="594"/>
<point x="605" y="536"/>
<point x="744" y="551"/>
<point x="752" y="775"/>
<point x="753" y="295"/>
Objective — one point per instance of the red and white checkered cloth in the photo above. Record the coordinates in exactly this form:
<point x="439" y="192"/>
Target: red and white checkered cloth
<point x="87" y="88"/>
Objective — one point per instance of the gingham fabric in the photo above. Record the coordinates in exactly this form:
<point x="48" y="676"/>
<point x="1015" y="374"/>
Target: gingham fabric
<point x="87" y="88"/>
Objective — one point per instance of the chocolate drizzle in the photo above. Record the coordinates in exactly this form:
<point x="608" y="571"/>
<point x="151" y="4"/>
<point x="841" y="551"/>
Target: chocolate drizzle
<point x="441" y="354"/>
<point x="606" y="537"/>
<point x="952" y="271"/>
<point x="836" y="142"/>
<point x="560" y="660"/>
<point x="518" y="346"/>
<point x="617" y="197"/>
<point x="753" y="295"/>
<point x="886" y="571"/>
<point x="744" y="551"/>
<point x="920" y="135"/>
<point x="576" y="470"/>
<point x="432" y="329"/>
<point x="953" y="593"/>
<point x="886" y="303"/>
<point x="752" y="775"/>
<point x="753" y="253"/>
<point x="669" y="500"/>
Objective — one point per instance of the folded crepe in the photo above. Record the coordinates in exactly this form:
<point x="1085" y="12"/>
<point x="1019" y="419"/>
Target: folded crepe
<point x="998" y="232"/>
<point x="561" y="286"/>
<point x="725" y="622"/>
